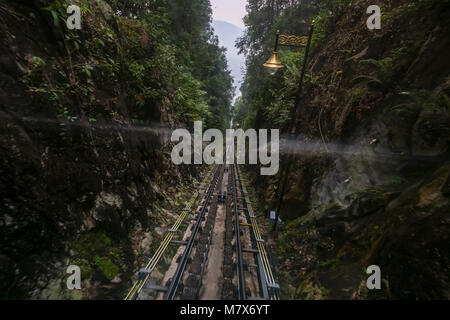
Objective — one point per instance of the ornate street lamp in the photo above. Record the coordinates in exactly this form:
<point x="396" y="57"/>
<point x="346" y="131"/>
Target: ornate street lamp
<point x="274" y="64"/>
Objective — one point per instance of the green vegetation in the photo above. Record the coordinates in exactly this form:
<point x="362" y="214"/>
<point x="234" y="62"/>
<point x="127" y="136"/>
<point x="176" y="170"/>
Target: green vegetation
<point x="85" y="267"/>
<point x="167" y="54"/>
<point x="109" y="269"/>
<point x="267" y="100"/>
<point x="189" y="67"/>
<point x="94" y="251"/>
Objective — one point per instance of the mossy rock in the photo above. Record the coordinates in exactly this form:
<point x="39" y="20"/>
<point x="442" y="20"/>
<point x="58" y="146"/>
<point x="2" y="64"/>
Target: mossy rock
<point x="107" y="267"/>
<point x="93" y="244"/>
<point x="94" y="250"/>
<point x="368" y="202"/>
<point x="85" y="268"/>
<point x="333" y="212"/>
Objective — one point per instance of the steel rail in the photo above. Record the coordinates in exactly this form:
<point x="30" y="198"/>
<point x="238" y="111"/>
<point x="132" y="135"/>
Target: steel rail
<point x="262" y="253"/>
<point x="174" y="284"/>
<point x="139" y="284"/>
<point x="262" y="279"/>
<point x="242" y="295"/>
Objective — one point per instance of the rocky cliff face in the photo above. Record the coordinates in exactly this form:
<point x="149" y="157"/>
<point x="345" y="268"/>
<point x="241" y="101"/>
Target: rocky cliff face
<point x="370" y="185"/>
<point x="81" y="182"/>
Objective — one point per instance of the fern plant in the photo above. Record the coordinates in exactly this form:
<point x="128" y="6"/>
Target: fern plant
<point x="385" y="73"/>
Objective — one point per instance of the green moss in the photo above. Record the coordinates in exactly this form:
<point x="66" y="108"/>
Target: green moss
<point x="93" y="244"/>
<point x="85" y="267"/>
<point x="109" y="269"/>
<point x="94" y="251"/>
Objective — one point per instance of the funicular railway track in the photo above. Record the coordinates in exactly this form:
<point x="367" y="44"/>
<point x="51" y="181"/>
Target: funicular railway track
<point x="244" y="217"/>
<point x="246" y="272"/>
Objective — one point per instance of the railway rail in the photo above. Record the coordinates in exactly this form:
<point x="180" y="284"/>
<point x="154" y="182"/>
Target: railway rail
<point x="269" y="289"/>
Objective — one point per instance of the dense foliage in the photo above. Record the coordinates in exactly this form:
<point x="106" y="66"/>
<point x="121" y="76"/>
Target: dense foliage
<point x="190" y="61"/>
<point x="165" y="53"/>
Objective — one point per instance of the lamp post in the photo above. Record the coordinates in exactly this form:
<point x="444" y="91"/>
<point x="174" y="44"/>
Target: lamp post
<point x="274" y="64"/>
